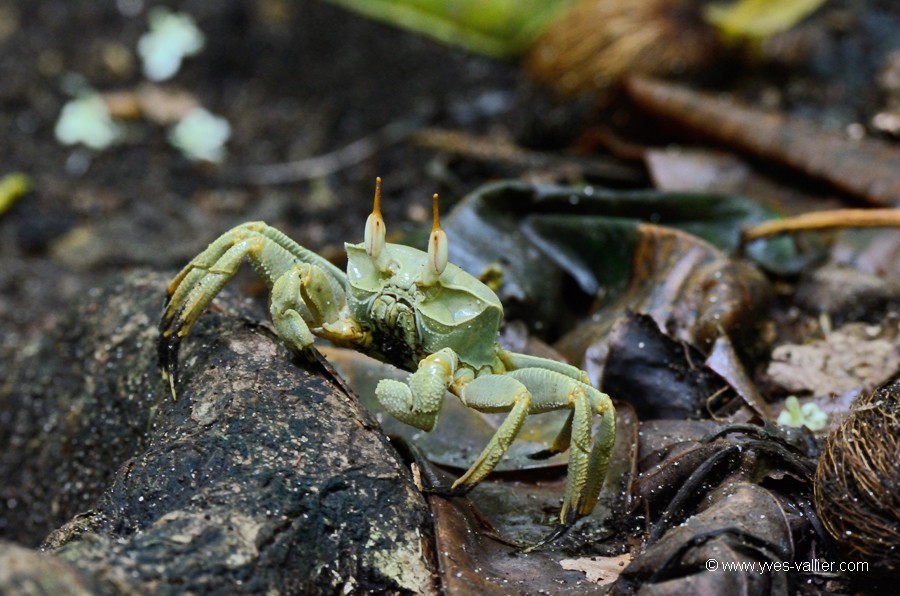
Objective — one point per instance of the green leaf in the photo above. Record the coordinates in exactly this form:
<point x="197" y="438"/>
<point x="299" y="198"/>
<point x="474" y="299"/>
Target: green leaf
<point x="540" y="234"/>
<point x="499" y="28"/>
<point x="758" y="19"/>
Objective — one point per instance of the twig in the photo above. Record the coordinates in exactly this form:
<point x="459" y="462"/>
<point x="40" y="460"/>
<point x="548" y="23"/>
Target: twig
<point x="866" y="168"/>
<point x="496" y="149"/>
<point x="824" y="220"/>
<point x="329" y="163"/>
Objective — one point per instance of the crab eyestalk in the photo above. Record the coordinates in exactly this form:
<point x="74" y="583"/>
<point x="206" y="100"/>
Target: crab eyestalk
<point x="375" y="231"/>
<point x="437" y="248"/>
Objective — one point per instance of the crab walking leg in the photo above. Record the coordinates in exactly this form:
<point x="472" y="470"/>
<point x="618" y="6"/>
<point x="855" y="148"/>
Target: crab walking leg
<point x="494" y="393"/>
<point x="600" y="452"/>
<point x="270" y="252"/>
<point x="336" y="278"/>
<point x="419" y="402"/>
<point x="204" y="281"/>
<point x="517" y="361"/>
<point x="578" y="472"/>
<point x="200" y="283"/>
<point x="197" y="285"/>
<point x="203" y="284"/>
<point x="588" y="459"/>
<point x="195" y="270"/>
<point x="584" y="480"/>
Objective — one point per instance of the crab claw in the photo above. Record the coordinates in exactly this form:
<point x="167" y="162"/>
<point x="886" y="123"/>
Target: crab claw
<point x="438" y="246"/>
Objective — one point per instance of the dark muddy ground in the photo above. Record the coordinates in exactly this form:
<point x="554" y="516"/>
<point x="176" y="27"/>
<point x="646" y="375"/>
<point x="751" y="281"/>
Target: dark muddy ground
<point x="293" y="85"/>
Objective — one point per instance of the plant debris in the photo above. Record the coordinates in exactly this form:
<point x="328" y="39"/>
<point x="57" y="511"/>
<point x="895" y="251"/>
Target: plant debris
<point x="857" y="485"/>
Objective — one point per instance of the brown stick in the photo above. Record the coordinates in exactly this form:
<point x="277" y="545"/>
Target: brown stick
<point x="867" y="168"/>
<point x="823" y="220"/>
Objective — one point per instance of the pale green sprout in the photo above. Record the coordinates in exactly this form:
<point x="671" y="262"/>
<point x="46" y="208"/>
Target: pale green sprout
<point x="809" y="415"/>
<point x="86" y="120"/>
<point x="12" y="186"/>
<point x="201" y="135"/>
<point x="171" y="38"/>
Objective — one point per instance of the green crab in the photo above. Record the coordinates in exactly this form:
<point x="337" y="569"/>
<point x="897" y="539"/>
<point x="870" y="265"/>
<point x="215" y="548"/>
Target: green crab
<point x="416" y="311"/>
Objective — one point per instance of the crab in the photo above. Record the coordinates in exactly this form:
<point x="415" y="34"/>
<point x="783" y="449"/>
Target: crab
<point x="416" y="311"/>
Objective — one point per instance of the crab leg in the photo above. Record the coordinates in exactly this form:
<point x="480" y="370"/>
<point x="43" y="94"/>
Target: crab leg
<point x="494" y="393"/>
<point x="272" y="254"/>
<point x="254" y="238"/>
<point x="587" y="469"/>
<point x="517" y="361"/>
<point x="535" y="390"/>
<point x="205" y="260"/>
<point x="561" y="442"/>
<point x="600" y="453"/>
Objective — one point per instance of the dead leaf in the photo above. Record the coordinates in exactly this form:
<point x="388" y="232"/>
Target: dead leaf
<point x="856" y="356"/>
<point x="865" y="168"/>
<point x="598" y="570"/>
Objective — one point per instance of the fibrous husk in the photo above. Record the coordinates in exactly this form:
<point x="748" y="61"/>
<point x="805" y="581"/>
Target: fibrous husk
<point x="857" y="486"/>
<point x="598" y="42"/>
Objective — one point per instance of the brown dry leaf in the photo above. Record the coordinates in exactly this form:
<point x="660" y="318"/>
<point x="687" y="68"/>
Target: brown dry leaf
<point x="691" y="289"/>
<point x="855" y="357"/>
<point x="741" y="524"/>
<point x="475" y="558"/>
<point x="476" y="537"/>
<point x="660" y="377"/>
<point x="724" y="361"/>
<point x="598" y="570"/>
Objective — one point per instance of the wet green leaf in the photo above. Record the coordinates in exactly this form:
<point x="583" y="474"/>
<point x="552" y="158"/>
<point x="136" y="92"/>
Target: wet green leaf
<point x="537" y="235"/>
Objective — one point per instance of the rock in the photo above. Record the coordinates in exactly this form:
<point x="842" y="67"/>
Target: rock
<point x="264" y="475"/>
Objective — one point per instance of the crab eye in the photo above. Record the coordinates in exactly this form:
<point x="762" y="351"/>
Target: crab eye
<point x="437" y="247"/>
<point x="375" y="230"/>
